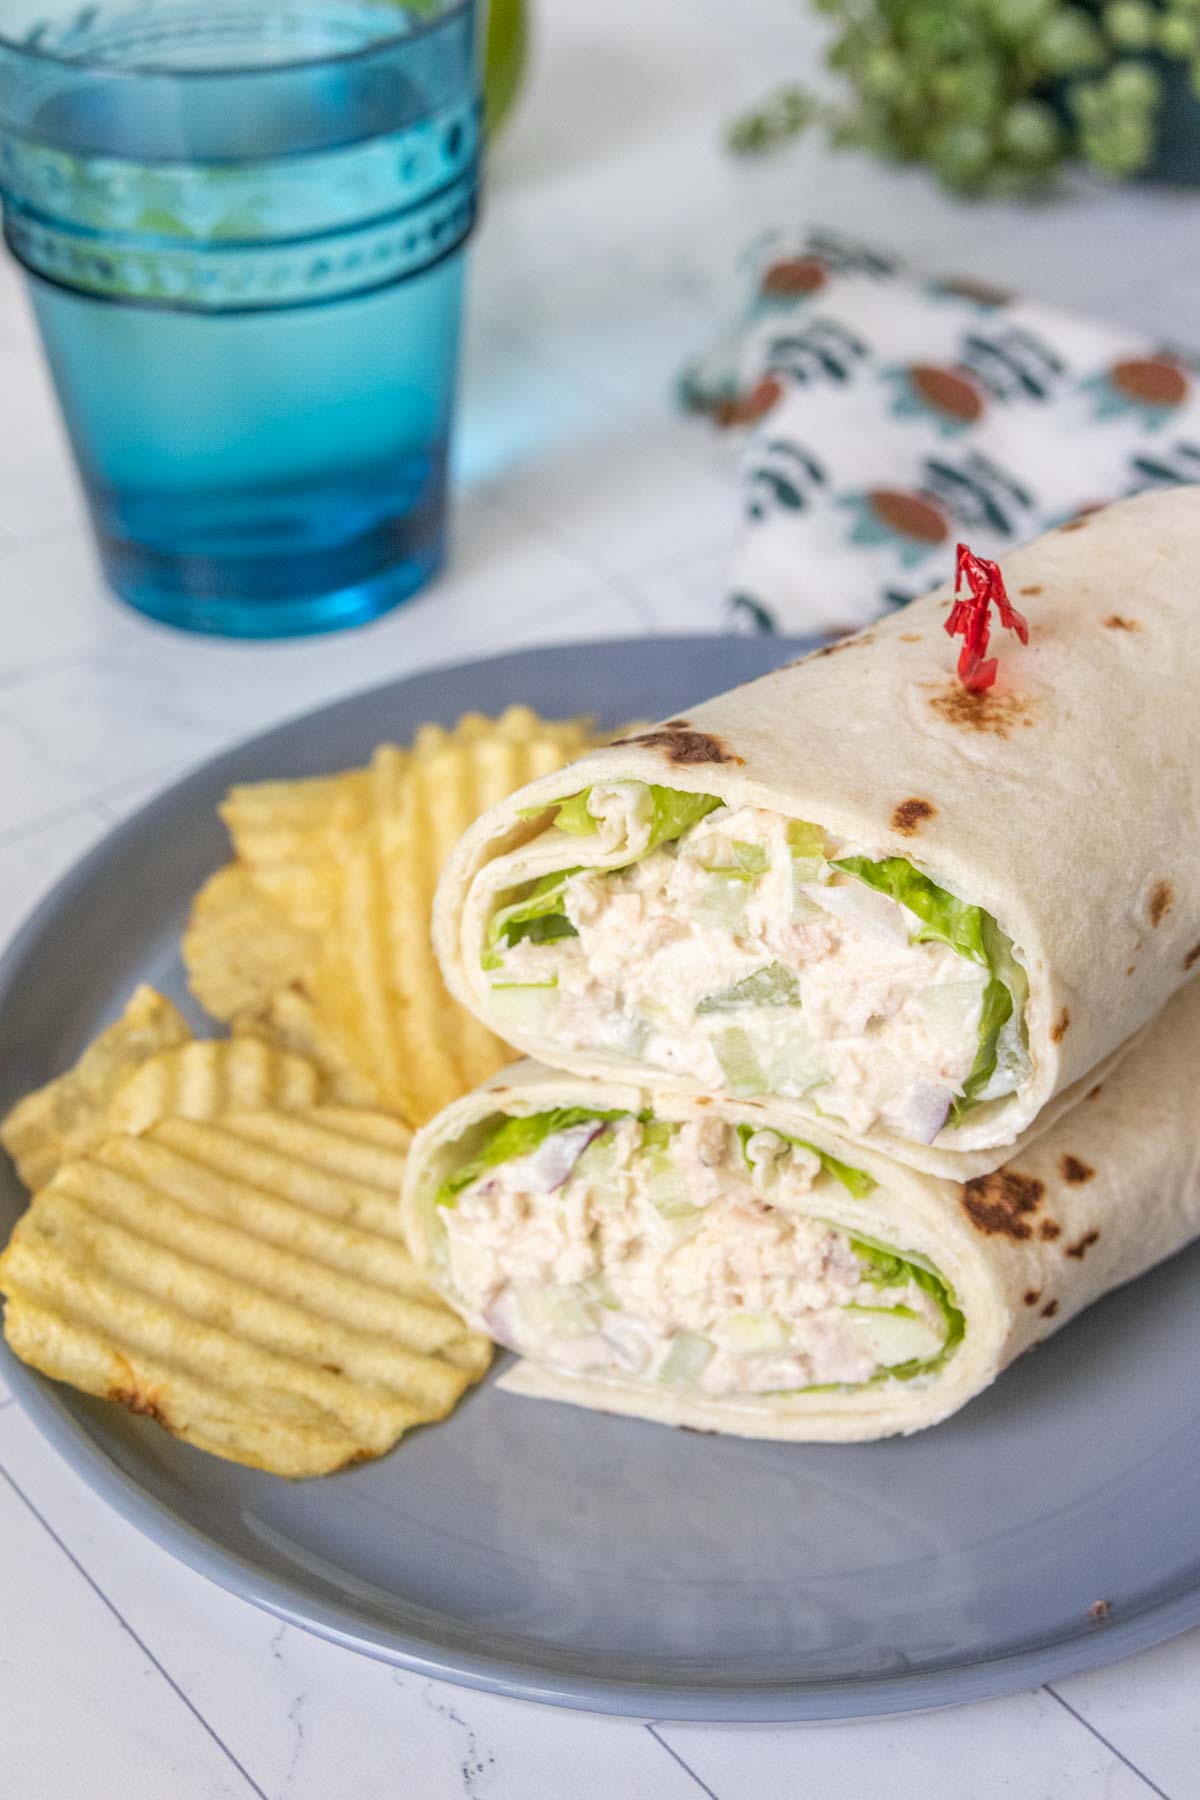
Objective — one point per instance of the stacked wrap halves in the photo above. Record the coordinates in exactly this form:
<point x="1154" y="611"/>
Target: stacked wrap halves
<point x="860" y="986"/>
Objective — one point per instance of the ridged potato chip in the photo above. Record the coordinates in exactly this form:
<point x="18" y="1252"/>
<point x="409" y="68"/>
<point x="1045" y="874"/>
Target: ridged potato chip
<point x="239" y="948"/>
<point x="70" y="1114"/>
<point x="245" y="1284"/>
<point x="378" y="983"/>
<point x="291" y="1021"/>
<point x="211" y="1076"/>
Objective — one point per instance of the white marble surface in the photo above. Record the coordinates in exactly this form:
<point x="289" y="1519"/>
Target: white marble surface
<point x="587" y="507"/>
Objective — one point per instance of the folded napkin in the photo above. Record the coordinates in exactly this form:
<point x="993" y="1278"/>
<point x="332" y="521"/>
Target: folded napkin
<point x="887" y="415"/>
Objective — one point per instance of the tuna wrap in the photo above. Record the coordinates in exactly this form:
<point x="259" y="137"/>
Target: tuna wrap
<point x="922" y="914"/>
<point x="730" y="1266"/>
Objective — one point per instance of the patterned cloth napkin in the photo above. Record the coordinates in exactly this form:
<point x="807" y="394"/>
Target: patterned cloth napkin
<point x="884" y="416"/>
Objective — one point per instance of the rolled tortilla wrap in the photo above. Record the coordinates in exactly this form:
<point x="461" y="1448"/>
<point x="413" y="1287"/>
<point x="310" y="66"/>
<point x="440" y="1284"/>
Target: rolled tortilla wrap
<point x="803" y="1291"/>
<point x="920" y="912"/>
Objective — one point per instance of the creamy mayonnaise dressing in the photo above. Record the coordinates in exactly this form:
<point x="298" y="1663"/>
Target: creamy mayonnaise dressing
<point x="677" y="1254"/>
<point x="842" y="1002"/>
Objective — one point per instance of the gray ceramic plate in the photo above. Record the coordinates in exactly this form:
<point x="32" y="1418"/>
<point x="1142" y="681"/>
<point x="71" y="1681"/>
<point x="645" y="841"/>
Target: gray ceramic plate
<point x="564" y="1556"/>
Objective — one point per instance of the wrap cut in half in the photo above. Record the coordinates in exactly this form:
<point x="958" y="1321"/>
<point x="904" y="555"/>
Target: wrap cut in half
<point x="919" y="912"/>
<point x="727" y="1266"/>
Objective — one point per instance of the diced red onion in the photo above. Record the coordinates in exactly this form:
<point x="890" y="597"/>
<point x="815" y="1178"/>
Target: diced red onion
<point x="500" y="1317"/>
<point x="926" y="1110"/>
<point x="550" y="1165"/>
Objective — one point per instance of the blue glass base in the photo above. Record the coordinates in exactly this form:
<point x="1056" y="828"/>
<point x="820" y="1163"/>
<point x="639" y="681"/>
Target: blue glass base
<point x="193" y="595"/>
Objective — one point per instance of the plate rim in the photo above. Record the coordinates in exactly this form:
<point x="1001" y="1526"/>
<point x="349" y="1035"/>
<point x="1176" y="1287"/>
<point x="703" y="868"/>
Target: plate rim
<point x="863" y="1695"/>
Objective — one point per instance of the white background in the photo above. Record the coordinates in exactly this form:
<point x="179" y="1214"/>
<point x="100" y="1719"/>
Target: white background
<point x="587" y="507"/>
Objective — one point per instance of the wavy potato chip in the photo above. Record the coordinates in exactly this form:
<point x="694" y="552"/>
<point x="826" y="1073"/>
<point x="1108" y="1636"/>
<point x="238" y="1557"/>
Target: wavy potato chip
<point x="243" y="1283"/>
<point x="70" y="1114"/>
<point x="292" y="1021"/>
<point x="377" y="983"/>
<point x="239" y="948"/>
<point x="211" y="1076"/>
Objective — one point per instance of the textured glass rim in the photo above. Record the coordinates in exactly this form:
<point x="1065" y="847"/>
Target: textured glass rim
<point x="250" y="71"/>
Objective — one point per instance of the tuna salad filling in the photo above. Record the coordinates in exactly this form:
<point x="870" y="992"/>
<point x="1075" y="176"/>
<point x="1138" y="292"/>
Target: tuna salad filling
<point x="695" y="1255"/>
<point x="754" y="954"/>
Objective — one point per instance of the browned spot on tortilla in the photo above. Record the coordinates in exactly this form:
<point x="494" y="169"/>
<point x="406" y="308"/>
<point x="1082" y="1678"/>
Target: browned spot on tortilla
<point x="332" y="1368"/>
<point x="846" y="641"/>
<point x="678" y="725"/>
<point x="1162" y="899"/>
<point x="910" y="637"/>
<point x="1036" y="588"/>
<point x="1192" y="957"/>
<point x="1058" y="1030"/>
<point x="998" y="713"/>
<point x="1081" y="1246"/>
<point x="1072" y="1169"/>
<point x="997" y="1203"/>
<point x="1073" y="525"/>
<point x="1129" y="970"/>
<point x="1115" y="622"/>
<point x="682" y="746"/>
<point x="1032" y="1296"/>
<point x="1094" y="1093"/>
<point x="1098" y="1611"/>
<point x="700" y="1430"/>
<point x="138" y="1402"/>
<point x="909" y="816"/>
<point x="1048" y="1230"/>
<point x="1050" y="1308"/>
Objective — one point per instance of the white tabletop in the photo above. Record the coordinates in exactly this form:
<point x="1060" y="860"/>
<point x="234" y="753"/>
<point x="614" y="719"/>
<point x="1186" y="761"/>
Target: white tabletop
<point x="587" y="507"/>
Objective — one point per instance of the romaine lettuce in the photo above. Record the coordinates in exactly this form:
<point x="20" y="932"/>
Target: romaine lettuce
<point x="540" y="917"/>
<point x="672" y="812"/>
<point x="749" y="860"/>
<point x="887" y="1268"/>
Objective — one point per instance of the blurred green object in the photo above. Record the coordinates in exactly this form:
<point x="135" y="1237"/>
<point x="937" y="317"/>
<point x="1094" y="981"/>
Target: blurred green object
<point x="505" y="55"/>
<point x="995" y="96"/>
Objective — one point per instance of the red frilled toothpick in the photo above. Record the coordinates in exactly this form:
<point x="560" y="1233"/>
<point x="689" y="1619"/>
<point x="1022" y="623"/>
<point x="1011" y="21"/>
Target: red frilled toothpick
<point x="968" y="617"/>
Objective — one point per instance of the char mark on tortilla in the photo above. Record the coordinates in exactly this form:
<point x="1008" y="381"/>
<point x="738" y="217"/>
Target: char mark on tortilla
<point x="998" y="1203"/>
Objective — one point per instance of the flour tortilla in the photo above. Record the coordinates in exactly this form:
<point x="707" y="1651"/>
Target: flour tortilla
<point x="1065" y="801"/>
<point x="1110" y="1190"/>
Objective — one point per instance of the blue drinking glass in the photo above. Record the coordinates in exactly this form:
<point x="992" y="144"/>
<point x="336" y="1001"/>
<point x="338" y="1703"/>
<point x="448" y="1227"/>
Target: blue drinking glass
<point x="244" y="225"/>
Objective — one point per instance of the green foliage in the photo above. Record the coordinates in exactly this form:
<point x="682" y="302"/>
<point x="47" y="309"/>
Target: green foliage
<point x="993" y="95"/>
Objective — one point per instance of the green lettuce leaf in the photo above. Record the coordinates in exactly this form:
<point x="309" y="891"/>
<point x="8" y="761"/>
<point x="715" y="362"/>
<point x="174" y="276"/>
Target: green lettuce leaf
<point x="517" y="1137"/>
<point x="943" y="916"/>
<point x="671" y="814"/>
<point x="807" y="845"/>
<point x="887" y="1268"/>
<point x="855" y="1181"/>
<point x="970" y="932"/>
<point x="540" y="916"/>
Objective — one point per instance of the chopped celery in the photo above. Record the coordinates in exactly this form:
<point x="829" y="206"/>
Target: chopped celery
<point x="749" y="1332"/>
<point x="739" y="1065"/>
<point x="749" y="861"/>
<point x="895" y="1335"/>
<point x="686" y="1358"/>
<point x="772" y="986"/>
<point x="724" y="902"/>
